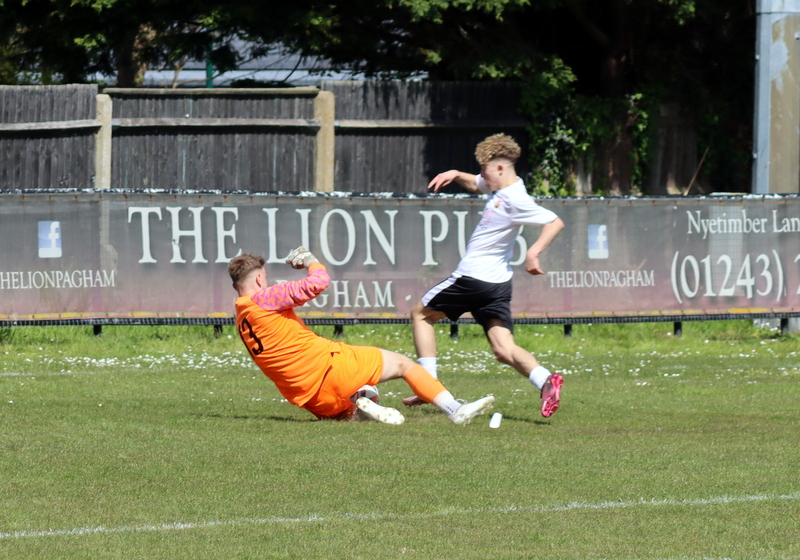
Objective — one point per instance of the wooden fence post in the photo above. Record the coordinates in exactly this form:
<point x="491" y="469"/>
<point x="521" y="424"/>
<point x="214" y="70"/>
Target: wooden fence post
<point x="102" y="146"/>
<point x="324" y="112"/>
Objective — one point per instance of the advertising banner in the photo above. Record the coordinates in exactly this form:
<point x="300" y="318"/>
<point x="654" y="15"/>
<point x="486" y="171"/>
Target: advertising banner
<point x="133" y="255"/>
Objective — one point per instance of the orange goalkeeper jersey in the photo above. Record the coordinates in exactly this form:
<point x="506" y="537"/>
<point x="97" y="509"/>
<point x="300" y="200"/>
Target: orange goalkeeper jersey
<point x="291" y="355"/>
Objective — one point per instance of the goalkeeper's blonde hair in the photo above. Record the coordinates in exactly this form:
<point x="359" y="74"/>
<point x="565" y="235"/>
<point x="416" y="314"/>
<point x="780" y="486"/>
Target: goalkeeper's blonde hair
<point x="497" y="146"/>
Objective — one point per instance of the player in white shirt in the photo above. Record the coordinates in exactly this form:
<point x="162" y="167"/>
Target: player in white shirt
<point x="481" y="284"/>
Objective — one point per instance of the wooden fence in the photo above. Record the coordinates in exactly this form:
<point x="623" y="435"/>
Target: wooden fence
<point x="362" y="137"/>
<point x="395" y="136"/>
<point x="47" y="136"/>
<point x="220" y="139"/>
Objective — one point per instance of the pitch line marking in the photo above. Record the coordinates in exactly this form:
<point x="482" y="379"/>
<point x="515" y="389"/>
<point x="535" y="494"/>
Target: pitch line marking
<point x="571" y="506"/>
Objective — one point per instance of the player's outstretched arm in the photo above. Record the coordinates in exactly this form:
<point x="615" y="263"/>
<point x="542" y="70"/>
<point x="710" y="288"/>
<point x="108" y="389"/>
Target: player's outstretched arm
<point x="296" y="292"/>
<point x="546" y="237"/>
<point x="467" y="180"/>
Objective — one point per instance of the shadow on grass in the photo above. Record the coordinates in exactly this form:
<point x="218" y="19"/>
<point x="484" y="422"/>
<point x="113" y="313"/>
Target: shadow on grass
<point x="257" y="417"/>
<point x="537" y="421"/>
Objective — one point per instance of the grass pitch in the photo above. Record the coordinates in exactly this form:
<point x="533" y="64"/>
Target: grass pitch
<point x="165" y="442"/>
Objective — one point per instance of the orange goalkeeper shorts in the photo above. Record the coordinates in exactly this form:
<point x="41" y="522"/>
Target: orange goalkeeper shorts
<point x="352" y="367"/>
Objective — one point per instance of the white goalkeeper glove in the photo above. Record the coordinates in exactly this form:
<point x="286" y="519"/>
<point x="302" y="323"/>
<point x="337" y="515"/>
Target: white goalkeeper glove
<point x="301" y="258"/>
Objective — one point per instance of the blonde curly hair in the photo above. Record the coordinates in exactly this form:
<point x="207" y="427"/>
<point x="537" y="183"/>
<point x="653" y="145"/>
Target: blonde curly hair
<point x="497" y="146"/>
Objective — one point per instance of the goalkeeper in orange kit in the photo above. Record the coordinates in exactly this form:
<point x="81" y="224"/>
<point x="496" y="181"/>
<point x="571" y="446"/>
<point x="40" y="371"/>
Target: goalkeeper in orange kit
<point x="312" y="372"/>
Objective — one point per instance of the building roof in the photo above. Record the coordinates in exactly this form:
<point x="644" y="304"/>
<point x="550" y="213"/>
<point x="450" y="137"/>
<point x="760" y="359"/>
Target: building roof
<point x="278" y="66"/>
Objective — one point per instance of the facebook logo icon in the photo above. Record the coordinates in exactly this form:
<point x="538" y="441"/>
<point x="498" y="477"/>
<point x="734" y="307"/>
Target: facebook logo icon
<point x="598" y="241"/>
<point x="49" y="240"/>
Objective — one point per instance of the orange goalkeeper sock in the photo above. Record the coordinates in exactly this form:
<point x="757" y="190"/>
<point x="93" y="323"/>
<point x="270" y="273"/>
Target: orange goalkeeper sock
<point x="424" y="385"/>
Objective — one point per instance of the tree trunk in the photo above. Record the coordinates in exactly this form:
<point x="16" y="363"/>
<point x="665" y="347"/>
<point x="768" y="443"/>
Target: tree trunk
<point x="616" y="152"/>
<point x="132" y="57"/>
<point x="611" y="34"/>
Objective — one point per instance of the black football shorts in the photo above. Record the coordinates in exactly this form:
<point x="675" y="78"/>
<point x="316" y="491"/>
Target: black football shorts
<point x="485" y="300"/>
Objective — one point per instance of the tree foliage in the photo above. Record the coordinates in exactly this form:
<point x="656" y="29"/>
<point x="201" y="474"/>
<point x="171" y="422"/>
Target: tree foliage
<point x="69" y="40"/>
<point x="594" y="72"/>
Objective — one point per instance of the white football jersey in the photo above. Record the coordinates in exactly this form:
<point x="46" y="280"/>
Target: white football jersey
<point x="492" y="243"/>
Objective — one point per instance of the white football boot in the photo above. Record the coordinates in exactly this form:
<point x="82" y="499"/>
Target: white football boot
<point x="468" y="411"/>
<point x="382" y="414"/>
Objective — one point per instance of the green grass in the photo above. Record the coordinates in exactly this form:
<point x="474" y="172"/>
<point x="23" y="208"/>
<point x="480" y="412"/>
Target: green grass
<point x="165" y="442"/>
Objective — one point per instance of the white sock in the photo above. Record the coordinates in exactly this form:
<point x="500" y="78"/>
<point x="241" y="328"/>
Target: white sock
<point x="539" y="376"/>
<point x="447" y="402"/>
<point x="430" y="365"/>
